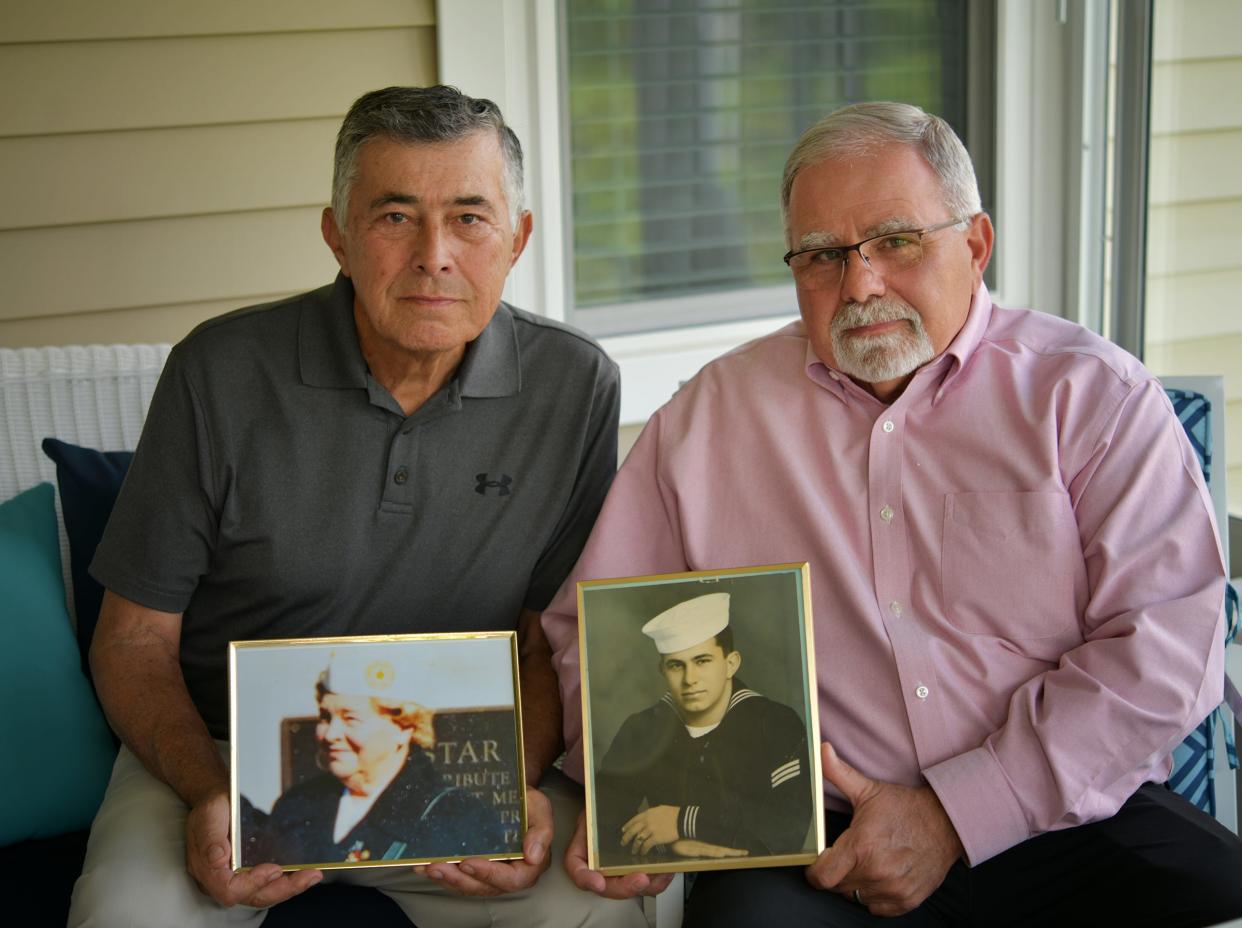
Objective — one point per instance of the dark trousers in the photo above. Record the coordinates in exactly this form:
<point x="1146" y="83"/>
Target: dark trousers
<point x="1159" y="861"/>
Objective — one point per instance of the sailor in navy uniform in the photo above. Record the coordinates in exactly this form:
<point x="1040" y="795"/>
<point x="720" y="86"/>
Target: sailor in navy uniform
<point x="713" y="769"/>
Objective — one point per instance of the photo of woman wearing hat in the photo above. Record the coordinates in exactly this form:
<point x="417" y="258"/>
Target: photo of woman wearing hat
<point x="378" y="796"/>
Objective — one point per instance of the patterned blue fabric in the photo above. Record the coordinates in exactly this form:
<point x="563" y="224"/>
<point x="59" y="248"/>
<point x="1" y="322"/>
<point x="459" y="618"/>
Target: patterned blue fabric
<point x="1194" y="760"/>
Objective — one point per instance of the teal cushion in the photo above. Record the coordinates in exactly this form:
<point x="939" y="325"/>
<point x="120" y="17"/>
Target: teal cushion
<point x="58" y="750"/>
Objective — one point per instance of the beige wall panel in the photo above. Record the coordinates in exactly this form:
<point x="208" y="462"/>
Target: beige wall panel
<point x="1196" y="96"/>
<point x="1233" y="452"/>
<point x="1183" y="306"/>
<point x="108" y="176"/>
<point x="53" y="272"/>
<point x="1197" y="29"/>
<point x="1199" y="166"/>
<point x="1193" y="237"/>
<point x="1233" y="427"/>
<point x="143" y="84"/>
<point x="149" y="324"/>
<point x="66" y="20"/>
<point x="1208" y="356"/>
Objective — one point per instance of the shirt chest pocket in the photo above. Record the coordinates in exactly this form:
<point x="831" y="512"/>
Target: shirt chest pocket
<point x="1011" y="564"/>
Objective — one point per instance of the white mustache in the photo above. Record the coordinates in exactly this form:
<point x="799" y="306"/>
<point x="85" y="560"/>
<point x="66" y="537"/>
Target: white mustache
<point x="856" y="315"/>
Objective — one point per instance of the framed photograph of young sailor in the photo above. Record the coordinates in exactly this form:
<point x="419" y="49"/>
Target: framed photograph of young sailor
<point x="376" y="751"/>
<point x="701" y="729"/>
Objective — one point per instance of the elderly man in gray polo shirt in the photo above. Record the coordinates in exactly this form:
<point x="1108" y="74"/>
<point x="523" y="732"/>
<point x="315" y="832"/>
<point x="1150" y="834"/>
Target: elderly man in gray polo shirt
<point x="396" y="452"/>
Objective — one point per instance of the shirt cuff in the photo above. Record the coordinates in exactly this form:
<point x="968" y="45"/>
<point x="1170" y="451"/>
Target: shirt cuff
<point x="979" y="802"/>
<point x="689" y="822"/>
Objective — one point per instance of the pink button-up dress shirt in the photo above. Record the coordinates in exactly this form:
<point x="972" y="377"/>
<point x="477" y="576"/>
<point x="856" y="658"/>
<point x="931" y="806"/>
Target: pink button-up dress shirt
<point x="1016" y="580"/>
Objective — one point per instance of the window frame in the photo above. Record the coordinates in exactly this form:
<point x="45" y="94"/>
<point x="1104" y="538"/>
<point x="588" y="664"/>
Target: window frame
<point x="509" y="51"/>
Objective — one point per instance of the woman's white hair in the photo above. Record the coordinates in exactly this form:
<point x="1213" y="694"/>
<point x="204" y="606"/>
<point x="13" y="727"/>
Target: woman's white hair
<point x="861" y="128"/>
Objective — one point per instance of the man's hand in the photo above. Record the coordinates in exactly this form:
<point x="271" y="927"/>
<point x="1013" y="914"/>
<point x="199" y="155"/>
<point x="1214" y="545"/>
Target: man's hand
<point x="611" y="887"/>
<point x="479" y="877"/>
<point x="897" y="849"/>
<point x="207" y="860"/>
<point x="649" y="828"/>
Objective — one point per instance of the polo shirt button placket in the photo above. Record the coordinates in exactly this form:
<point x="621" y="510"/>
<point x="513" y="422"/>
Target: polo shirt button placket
<point x="401" y="476"/>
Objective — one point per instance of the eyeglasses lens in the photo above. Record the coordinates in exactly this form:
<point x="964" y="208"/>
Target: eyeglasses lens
<point x="888" y="254"/>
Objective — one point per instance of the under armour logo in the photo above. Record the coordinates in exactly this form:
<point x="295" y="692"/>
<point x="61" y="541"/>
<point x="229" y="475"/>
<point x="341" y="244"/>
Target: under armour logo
<point x="501" y="486"/>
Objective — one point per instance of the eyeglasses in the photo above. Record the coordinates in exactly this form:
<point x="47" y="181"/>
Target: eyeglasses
<point x="824" y="268"/>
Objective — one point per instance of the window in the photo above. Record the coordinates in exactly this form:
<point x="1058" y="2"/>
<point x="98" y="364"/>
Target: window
<point x="680" y="114"/>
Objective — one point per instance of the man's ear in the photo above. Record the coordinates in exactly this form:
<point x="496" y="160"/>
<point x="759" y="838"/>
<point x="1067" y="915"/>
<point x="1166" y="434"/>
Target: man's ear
<point x="334" y="238"/>
<point x="732" y="662"/>
<point x="979" y="240"/>
<point x="521" y="235"/>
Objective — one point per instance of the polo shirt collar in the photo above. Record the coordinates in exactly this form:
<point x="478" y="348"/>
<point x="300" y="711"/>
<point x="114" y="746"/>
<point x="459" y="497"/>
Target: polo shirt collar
<point x="492" y="363"/>
<point x="329" y="354"/>
<point x="328" y="350"/>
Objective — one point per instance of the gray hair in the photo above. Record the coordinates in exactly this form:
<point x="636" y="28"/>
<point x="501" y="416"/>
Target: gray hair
<point x="421" y="114"/>
<point x="861" y="128"/>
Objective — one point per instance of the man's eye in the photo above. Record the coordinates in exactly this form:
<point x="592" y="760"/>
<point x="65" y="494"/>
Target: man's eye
<point x="897" y="242"/>
<point x="470" y="219"/>
<point x="395" y="218"/>
<point x="828" y="256"/>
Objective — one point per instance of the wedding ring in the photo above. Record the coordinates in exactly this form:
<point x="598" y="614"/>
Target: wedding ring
<point x="858" y="897"/>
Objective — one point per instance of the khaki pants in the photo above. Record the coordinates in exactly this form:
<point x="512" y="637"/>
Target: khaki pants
<point x="135" y="876"/>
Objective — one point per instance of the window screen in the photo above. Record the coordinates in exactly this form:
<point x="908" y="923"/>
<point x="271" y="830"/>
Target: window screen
<point x="681" y="114"/>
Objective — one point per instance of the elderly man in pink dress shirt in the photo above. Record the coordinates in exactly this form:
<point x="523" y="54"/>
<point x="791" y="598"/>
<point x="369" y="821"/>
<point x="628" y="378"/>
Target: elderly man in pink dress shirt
<point x="1017" y="579"/>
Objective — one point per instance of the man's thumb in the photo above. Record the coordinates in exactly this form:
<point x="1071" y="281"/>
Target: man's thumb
<point x="851" y="784"/>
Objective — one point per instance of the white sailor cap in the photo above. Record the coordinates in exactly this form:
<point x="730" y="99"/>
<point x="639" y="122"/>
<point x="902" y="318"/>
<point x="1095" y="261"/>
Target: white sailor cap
<point x="364" y="671"/>
<point x="689" y="623"/>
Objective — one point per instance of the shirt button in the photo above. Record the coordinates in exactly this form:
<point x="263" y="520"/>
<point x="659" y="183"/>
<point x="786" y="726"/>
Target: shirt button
<point x="887" y="513"/>
<point x="895" y="608"/>
<point x="888" y="425"/>
<point x="401" y="476"/>
<point x="922" y="692"/>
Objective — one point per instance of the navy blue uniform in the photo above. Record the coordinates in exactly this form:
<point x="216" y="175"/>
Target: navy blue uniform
<point x="742" y="785"/>
<point x="415" y="816"/>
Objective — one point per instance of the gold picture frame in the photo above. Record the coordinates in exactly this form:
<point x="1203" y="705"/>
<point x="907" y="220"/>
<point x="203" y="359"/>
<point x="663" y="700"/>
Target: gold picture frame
<point x="375" y="751"/>
<point x="701" y="742"/>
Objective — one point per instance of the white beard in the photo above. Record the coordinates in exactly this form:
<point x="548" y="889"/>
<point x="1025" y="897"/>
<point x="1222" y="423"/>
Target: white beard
<point x="885" y="356"/>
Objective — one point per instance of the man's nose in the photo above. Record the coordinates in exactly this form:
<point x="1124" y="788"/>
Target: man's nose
<point x="859" y="280"/>
<point x="431" y="250"/>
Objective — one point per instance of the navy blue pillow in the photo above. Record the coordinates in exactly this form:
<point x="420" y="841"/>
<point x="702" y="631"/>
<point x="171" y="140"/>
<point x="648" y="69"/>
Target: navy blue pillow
<point x="89" y="482"/>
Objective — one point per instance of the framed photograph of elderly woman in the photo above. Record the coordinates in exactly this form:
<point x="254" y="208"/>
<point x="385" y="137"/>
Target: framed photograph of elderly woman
<point x="376" y="751"/>
<point x="700" y="720"/>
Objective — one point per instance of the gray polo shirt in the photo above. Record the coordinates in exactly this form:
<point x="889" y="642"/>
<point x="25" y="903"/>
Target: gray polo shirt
<point x="279" y="491"/>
